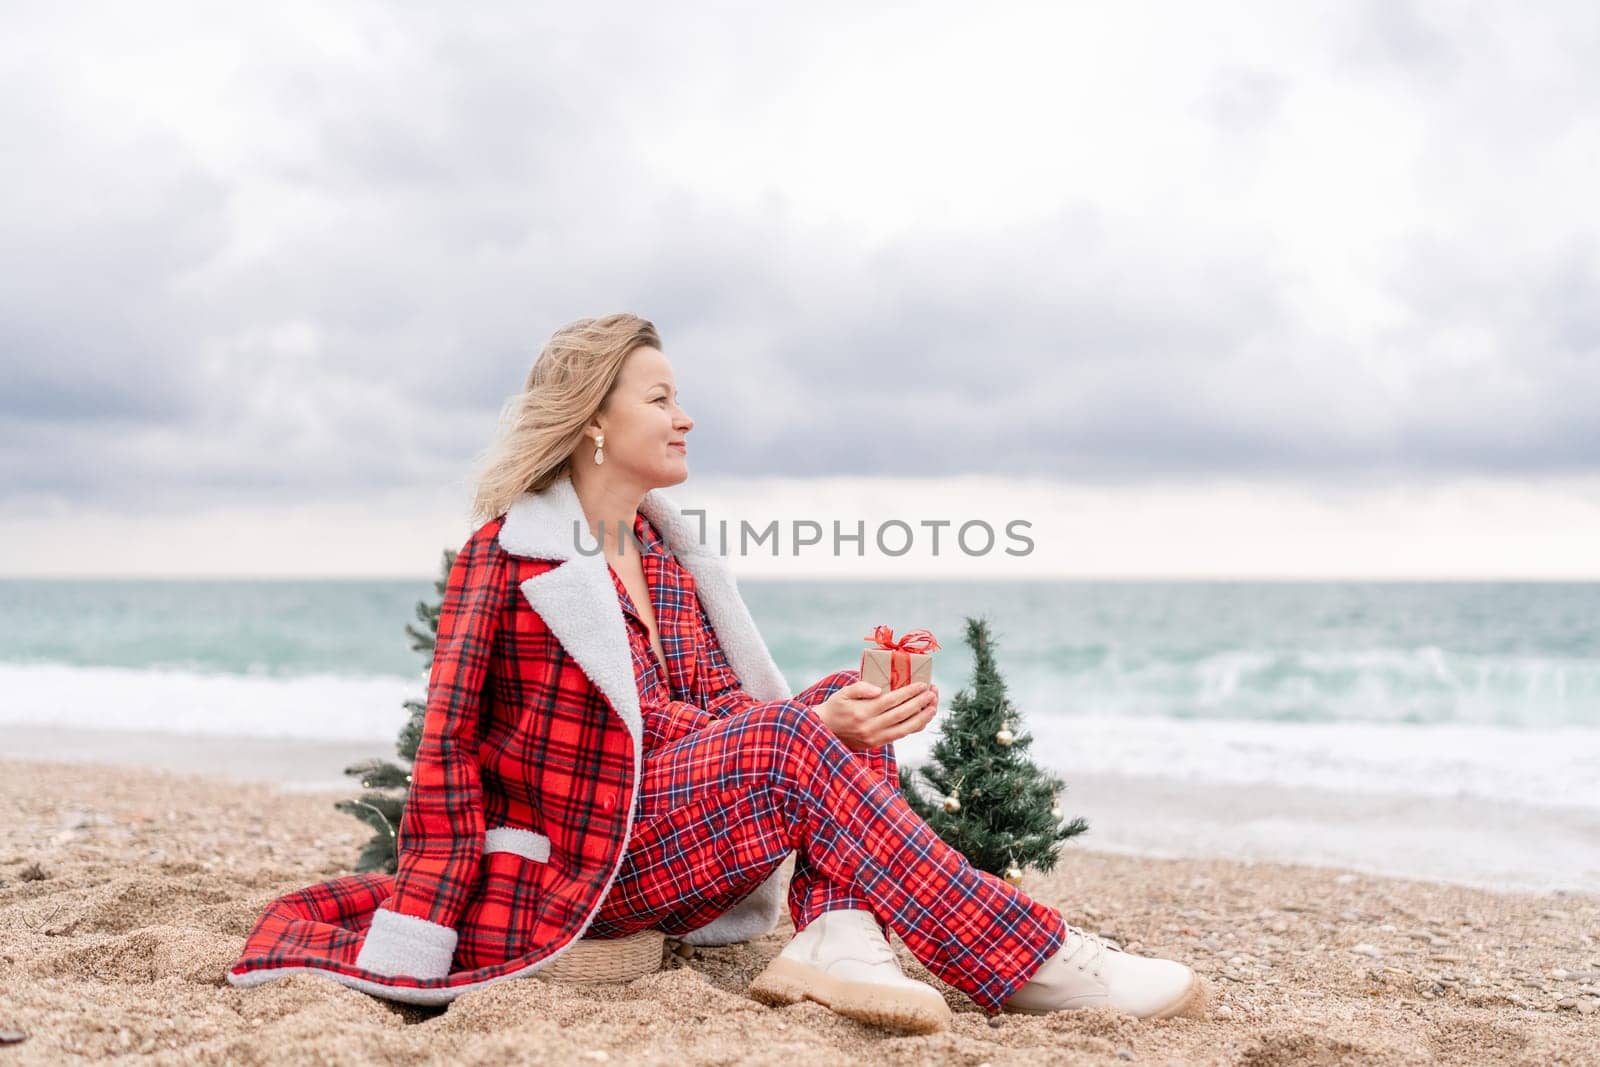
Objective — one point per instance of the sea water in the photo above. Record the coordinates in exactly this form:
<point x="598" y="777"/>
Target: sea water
<point x="1481" y="691"/>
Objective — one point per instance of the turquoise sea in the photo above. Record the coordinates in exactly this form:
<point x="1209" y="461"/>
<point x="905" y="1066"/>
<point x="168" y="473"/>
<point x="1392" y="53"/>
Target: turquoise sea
<point x="1488" y="690"/>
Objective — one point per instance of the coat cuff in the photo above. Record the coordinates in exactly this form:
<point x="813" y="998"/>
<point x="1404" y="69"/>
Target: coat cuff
<point x="398" y="944"/>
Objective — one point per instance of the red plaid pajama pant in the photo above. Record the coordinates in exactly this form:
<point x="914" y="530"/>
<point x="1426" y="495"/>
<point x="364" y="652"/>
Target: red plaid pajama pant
<point x="721" y="808"/>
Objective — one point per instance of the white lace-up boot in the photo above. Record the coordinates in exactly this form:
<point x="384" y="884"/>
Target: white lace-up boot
<point x="1094" y="972"/>
<point x="842" y="961"/>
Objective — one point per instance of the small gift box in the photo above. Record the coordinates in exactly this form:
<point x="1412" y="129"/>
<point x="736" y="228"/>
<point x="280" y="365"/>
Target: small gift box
<point x="892" y="663"/>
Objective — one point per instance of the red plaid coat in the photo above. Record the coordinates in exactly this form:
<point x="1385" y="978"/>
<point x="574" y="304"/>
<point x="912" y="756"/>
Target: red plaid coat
<point x="525" y="782"/>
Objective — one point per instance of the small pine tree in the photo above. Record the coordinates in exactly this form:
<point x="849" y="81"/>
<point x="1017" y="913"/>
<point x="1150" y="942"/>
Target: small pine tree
<point x="994" y="804"/>
<point x="387" y="784"/>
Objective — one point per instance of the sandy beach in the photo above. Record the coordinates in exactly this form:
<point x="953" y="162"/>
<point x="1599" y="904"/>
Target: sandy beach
<point x="126" y="893"/>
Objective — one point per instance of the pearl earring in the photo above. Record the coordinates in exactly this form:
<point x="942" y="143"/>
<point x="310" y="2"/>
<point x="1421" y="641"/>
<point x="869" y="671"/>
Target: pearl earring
<point x="599" y="446"/>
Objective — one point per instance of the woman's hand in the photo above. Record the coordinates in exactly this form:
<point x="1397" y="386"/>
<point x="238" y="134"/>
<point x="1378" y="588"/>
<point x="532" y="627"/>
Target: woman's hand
<point x="863" y="716"/>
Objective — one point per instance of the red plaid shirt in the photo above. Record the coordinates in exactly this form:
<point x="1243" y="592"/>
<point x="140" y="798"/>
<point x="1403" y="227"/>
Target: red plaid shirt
<point x="699" y="685"/>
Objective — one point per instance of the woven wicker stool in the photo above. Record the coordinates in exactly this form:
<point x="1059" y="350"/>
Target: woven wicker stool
<point x="619" y="959"/>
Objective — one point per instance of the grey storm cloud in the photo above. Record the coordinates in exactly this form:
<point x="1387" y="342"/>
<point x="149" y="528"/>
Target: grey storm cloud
<point x="327" y="275"/>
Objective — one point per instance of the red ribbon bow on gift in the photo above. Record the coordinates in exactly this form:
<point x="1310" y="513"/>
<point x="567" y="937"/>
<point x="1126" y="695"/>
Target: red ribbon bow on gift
<point x="915" y="642"/>
<point x="918" y="641"/>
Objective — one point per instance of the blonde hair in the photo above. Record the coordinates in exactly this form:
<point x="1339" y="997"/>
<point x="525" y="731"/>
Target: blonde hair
<point x="542" y="426"/>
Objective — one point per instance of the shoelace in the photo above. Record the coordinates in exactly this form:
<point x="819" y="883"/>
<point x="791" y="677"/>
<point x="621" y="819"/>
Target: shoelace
<point x="879" y="948"/>
<point x="1097" y="946"/>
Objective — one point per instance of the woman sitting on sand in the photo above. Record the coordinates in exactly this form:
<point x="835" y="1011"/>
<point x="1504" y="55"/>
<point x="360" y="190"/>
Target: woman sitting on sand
<point x="608" y="747"/>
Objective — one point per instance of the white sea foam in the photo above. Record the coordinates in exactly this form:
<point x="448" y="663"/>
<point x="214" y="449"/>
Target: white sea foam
<point x="317" y="707"/>
<point x="1556" y="766"/>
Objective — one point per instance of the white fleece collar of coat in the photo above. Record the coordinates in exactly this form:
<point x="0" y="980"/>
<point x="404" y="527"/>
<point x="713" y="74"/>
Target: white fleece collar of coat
<point x="579" y="603"/>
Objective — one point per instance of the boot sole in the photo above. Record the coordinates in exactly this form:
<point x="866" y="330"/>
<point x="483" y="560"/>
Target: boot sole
<point x="789" y="982"/>
<point x="1194" y="1002"/>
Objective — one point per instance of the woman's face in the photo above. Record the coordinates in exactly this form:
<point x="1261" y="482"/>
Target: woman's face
<point x="644" y="427"/>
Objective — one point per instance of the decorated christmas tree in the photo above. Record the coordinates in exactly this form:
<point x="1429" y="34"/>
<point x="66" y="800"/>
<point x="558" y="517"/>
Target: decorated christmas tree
<point x="387" y="784"/>
<point x="990" y="800"/>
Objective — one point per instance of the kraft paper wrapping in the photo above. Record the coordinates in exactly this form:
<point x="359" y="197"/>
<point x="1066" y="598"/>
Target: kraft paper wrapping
<point x="875" y="667"/>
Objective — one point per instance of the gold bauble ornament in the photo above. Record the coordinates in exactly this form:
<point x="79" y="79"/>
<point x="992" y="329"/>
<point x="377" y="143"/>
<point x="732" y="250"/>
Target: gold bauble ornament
<point x="1005" y="737"/>
<point x="952" y="804"/>
<point x="1055" y="811"/>
<point x="1014" y="874"/>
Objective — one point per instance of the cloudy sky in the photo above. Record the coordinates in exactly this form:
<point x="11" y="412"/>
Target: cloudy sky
<point x="1254" y="290"/>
